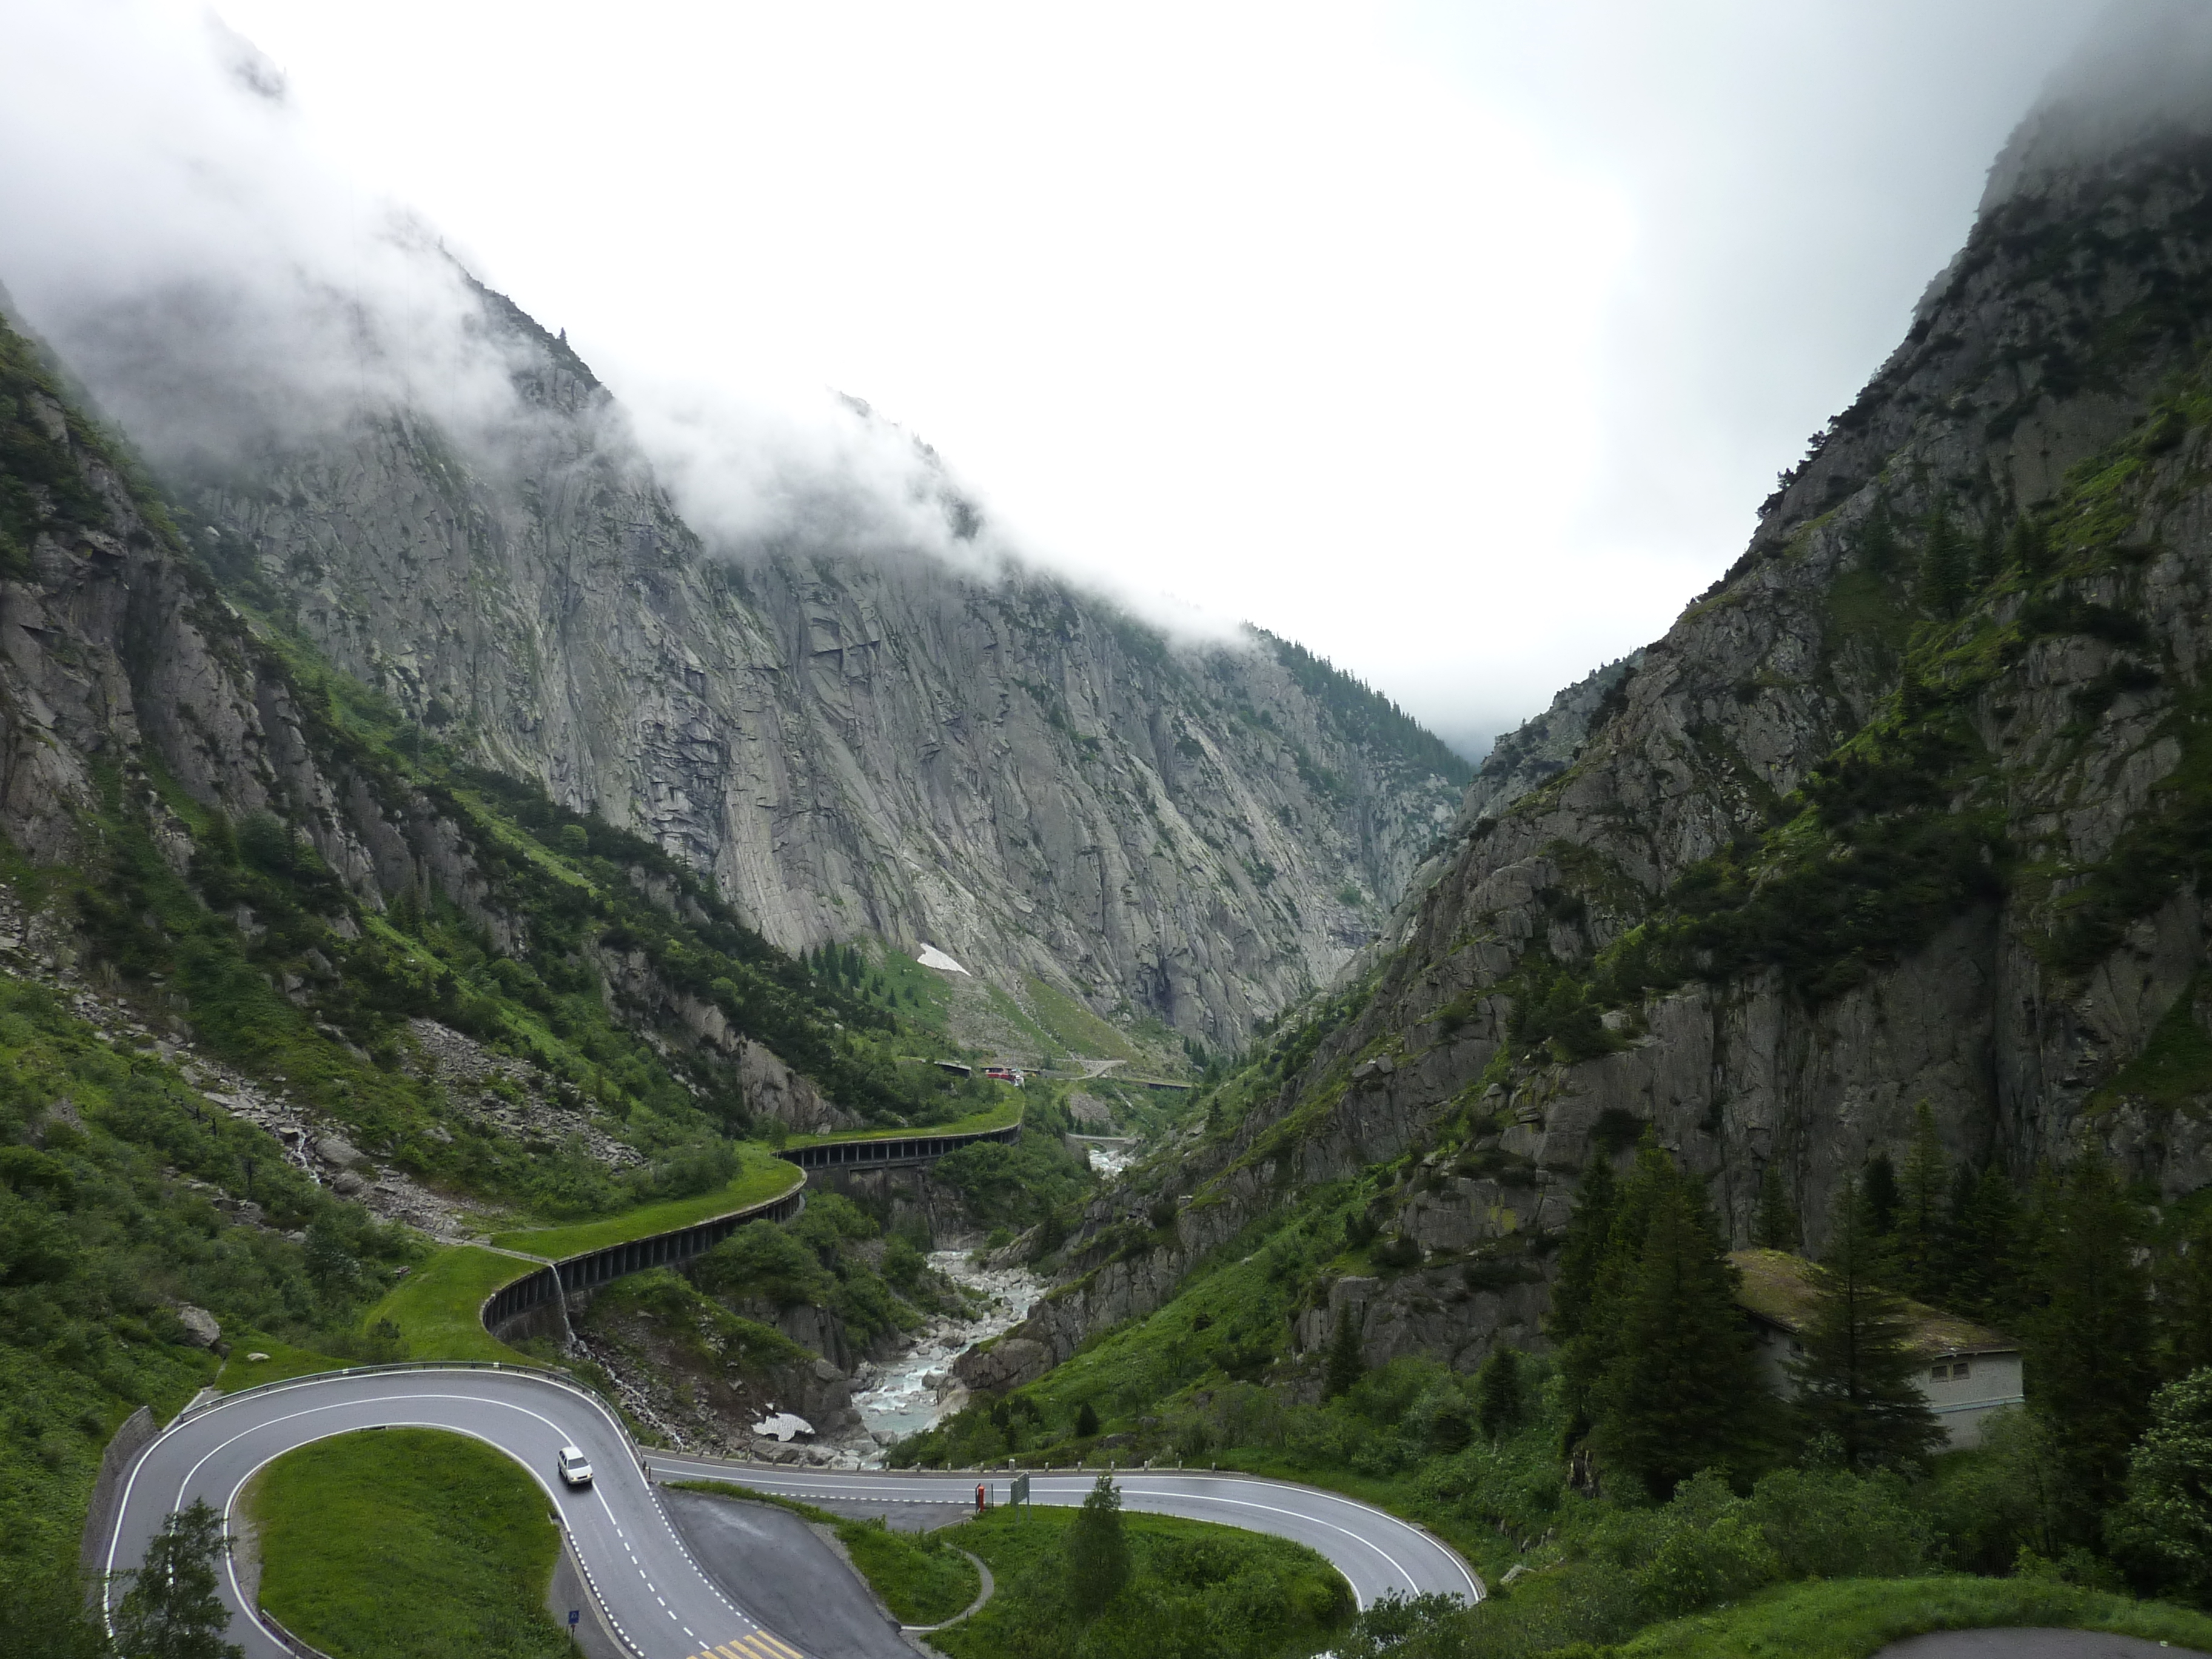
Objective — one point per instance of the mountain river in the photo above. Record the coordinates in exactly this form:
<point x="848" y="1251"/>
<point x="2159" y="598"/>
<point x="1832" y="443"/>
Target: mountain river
<point x="907" y="1395"/>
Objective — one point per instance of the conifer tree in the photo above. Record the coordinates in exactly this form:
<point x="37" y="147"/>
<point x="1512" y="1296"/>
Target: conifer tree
<point x="1582" y="1253"/>
<point x="1946" y="563"/>
<point x="1583" y="1258"/>
<point x="2089" y="1347"/>
<point x="1856" y="1376"/>
<point x="1086" y="1420"/>
<point x="1097" y="1551"/>
<point x="1346" y="1364"/>
<point x="1982" y="1278"/>
<point x="1878" y="539"/>
<point x="1917" y="1248"/>
<point x="170" y="1610"/>
<point x="1497" y="1404"/>
<point x="1777" y="1218"/>
<point x="2184" y="1277"/>
<point x="1879" y="1194"/>
<point x="2027" y="548"/>
<point x="1988" y="554"/>
<point x="1681" y="1393"/>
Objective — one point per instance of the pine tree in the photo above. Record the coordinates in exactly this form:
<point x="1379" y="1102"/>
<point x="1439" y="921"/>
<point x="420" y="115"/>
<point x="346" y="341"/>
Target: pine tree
<point x="1583" y="1260"/>
<point x="1346" y="1364"/>
<point x="1983" y="1277"/>
<point x="1583" y="1252"/>
<point x="1916" y="1249"/>
<point x="1878" y="540"/>
<point x="1879" y="1194"/>
<point x="1497" y="1403"/>
<point x="1681" y="1393"/>
<point x="1856" y="1375"/>
<point x="1086" y="1421"/>
<point x="2089" y="1370"/>
<point x="2027" y="547"/>
<point x="404" y="913"/>
<point x="2184" y="1278"/>
<point x="1097" y="1551"/>
<point x="1777" y="1218"/>
<point x="1945" y="566"/>
<point x="1988" y="554"/>
<point x="170" y="1610"/>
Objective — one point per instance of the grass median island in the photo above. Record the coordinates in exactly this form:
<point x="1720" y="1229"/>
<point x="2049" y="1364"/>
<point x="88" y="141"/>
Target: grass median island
<point x="922" y="1579"/>
<point x="762" y="1177"/>
<point x="407" y="1544"/>
<point x="1193" y="1588"/>
<point x="1855" y="1617"/>
<point x="437" y="1309"/>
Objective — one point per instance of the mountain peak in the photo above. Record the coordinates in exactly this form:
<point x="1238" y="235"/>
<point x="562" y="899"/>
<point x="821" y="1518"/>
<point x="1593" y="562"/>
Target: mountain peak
<point x="2142" y="76"/>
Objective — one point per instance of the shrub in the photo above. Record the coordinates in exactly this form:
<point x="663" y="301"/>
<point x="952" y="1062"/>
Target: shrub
<point x="2164" y="1529"/>
<point x="1834" y="1525"/>
<point x="1398" y="1253"/>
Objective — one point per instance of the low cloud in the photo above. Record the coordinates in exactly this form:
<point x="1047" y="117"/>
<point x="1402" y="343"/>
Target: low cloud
<point x="222" y="292"/>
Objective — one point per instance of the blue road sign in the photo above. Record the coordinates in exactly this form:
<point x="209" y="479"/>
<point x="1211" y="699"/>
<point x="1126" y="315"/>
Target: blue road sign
<point x="575" y="1617"/>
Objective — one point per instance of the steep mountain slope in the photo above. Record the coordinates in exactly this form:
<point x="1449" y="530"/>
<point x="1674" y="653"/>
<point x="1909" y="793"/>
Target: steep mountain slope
<point x="201" y="812"/>
<point x="843" y="745"/>
<point x="1910" y="806"/>
<point x="275" y="964"/>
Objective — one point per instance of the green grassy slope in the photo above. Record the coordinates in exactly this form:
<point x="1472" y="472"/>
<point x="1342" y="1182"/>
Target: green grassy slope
<point x="121" y="1194"/>
<point x="762" y="1178"/>
<point x="435" y="1312"/>
<point x="583" y="959"/>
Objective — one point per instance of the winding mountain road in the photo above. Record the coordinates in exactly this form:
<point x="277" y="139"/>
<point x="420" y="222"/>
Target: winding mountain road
<point x="661" y="1603"/>
<point x="1376" y="1552"/>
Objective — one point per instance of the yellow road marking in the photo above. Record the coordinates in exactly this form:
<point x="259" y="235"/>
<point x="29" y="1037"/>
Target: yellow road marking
<point x="780" y="1646"/>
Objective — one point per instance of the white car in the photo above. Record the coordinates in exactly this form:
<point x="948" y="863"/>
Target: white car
<point x="575" y="1470"/>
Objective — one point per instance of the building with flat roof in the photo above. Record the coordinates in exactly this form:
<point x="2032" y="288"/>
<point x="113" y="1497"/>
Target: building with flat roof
<point x="1966" y="1371"/>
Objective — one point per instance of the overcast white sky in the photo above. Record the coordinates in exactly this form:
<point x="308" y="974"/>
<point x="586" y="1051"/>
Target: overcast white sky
<point x="1458" y="341"/>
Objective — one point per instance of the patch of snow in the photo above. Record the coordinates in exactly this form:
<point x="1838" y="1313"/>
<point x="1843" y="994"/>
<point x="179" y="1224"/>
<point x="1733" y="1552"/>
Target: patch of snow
<point x="931" y="957"/>
<point x="783" y="1425"/>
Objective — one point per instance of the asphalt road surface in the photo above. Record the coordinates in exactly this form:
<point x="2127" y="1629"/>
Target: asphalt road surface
<point x="1375" y="1551"/>
<point x="661" y="1601"/>
<point x="662" y="1605"/>
<point x="795" y="1583"/>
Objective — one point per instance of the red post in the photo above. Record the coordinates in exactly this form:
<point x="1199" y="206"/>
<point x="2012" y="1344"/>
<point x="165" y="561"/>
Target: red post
<point x="979" y="1497"/>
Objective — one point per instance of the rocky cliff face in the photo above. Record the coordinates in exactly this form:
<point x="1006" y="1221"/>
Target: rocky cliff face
<point x="1909" y="807"/>
<point x="847" y="745"/>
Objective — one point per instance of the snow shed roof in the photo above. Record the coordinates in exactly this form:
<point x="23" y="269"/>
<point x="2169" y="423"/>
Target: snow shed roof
<point x="1779" y="1288"/>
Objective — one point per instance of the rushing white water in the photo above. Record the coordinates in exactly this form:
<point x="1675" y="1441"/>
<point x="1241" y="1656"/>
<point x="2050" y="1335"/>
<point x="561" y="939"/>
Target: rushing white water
<point x="1110" y="1161"/>
<point x="910" y="1394"/>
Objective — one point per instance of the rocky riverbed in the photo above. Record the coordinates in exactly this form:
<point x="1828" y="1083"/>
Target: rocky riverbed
<point x="902" y="1397"/>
